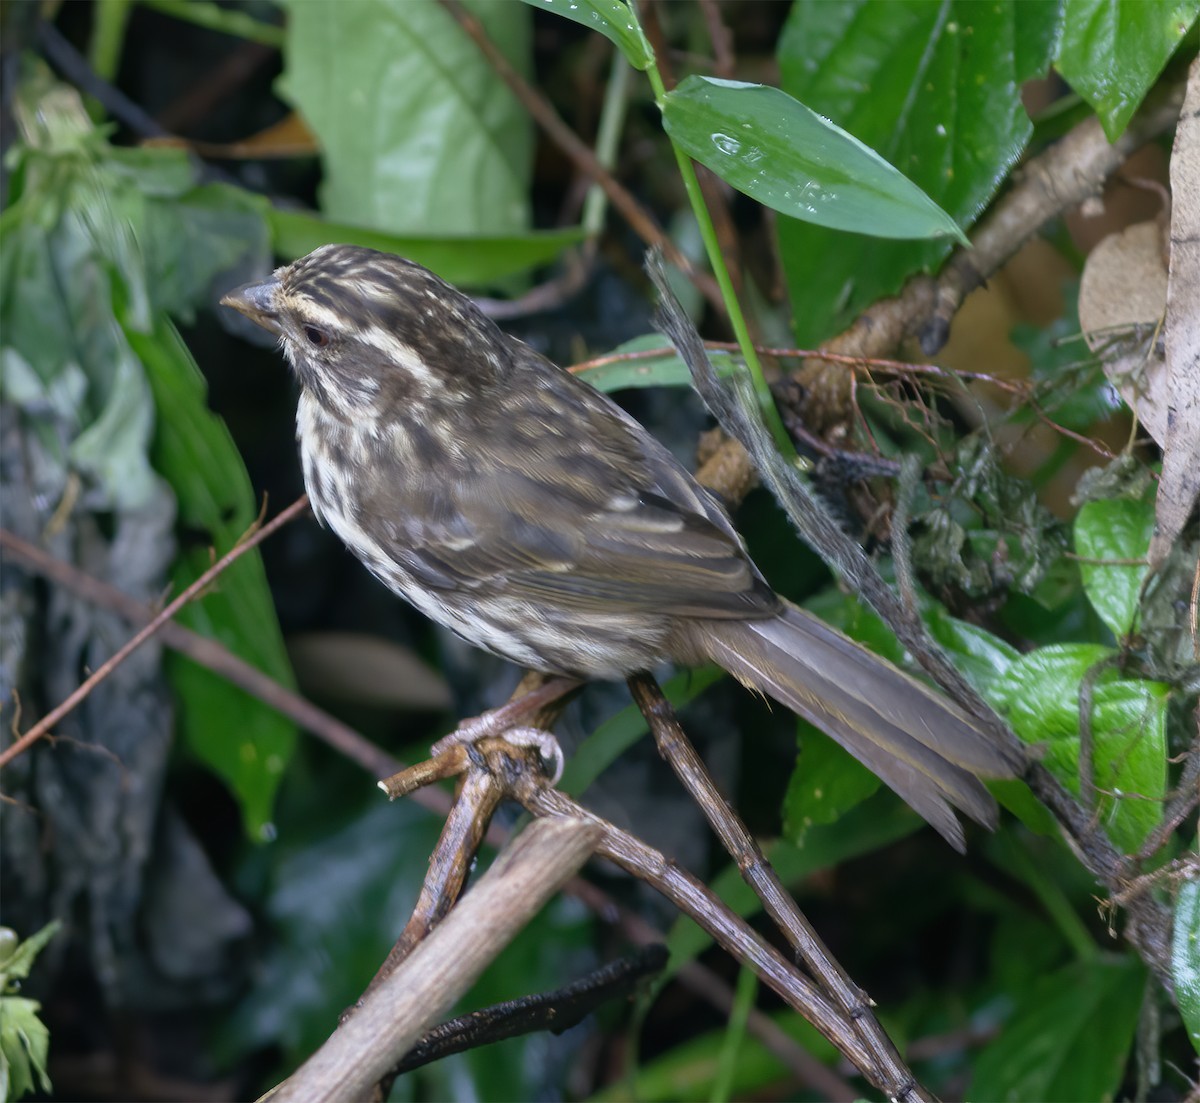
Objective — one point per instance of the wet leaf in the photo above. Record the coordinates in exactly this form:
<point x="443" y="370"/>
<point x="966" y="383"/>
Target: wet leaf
<point x="1113" y="51"/>
<point x="612" y="18"/>
<point x="934" y="88"/>
<point x="1068" y="1037"/>
<point x="770" y="146"/>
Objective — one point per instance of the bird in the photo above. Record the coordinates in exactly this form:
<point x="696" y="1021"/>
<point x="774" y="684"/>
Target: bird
<point x="511" y="502"/>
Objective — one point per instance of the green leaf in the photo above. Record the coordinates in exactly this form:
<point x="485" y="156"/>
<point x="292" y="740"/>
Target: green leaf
<point x="611" y="18"/>
<point x="24" y="1039"/>
<point x="826" y="783"/>
<point x="1069" y="1036"/>
<point x="934" y="87"/>
<point x="470" y="261"/>
<point x="1113" y="51"/>
<point x="665" y="369"/>
<point x="1185" y="958"/>
<point x="17" y="957"/>
<point x="244" y="741"/>
<point x="685" y="1072"/>
<point x="196" y="236"/>
<point x="981" y="656"/>
<point x="1040" y="696"/>
<point x="1114" y="529"/>
<point x="418" y="134"/>
<point x="773" y="148"/>
<point x="24" y="1045"/>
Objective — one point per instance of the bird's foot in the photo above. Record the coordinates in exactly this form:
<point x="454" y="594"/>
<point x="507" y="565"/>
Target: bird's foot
<point x="503" y="722"/>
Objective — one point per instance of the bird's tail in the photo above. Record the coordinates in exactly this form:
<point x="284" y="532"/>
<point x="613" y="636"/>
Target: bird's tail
<point x="929" y="751"/>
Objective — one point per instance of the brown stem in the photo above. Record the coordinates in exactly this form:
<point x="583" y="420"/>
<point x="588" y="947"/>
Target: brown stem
<point x="889" y="1068"/>
<point x="580" y="153"/>
<point x="217" y="658"/>
<point x="255" y="537"/>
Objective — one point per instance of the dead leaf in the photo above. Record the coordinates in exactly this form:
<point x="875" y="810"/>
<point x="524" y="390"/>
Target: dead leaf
<point x="1122" y="297"/>
<point x="1179" y="486"/>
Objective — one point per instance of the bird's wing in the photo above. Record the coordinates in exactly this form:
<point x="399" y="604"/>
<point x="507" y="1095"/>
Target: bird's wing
<point x="580" y="507"/>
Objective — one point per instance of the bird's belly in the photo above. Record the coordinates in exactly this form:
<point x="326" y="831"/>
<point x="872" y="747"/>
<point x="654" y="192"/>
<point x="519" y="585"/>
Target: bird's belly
<point x="596" y="644"/>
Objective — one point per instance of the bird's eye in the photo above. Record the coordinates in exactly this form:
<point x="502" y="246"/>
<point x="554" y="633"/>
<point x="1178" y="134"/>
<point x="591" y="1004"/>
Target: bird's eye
<point x="316" y="337"/>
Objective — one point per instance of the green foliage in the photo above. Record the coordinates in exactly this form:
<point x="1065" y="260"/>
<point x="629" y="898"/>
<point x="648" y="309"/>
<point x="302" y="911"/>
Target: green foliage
<point x="101" y="246"/>
<point x="1111" y="538"/>
<point x="1112" y="51"/>
<point x="1040" y="695"/>
<point x="773" y="148"/>
<point x="663" y="369"/>
<point x="193" y="450"/>
<point x="1185" y="957"/>
<point x="472" y="260"/>
<point x="418" y="133"/>
<point x="613" y="19"/>
<point x="932" y="87"/>
<point x="826" y="783"/>
<point x="1068" y="1036"/>
<point x="24" y="1039"/>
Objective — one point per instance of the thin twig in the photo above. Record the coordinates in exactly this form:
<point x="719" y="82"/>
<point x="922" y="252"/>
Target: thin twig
<point x="706" y="909"/>
<point x="449" y="865"/>
<point x="890" y="1070"/>
<point x="214" y="656"/>
<point x="1187" y="796"/>
<point x="252" y="540"/>
<point x="554" y="1011"/>
<point x="580" y="153"/>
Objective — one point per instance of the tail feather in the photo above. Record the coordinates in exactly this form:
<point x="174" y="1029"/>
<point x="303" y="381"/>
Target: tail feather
<point x="920" y="744"/>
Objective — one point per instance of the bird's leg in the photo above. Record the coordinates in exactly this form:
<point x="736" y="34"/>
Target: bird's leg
<point x="499" y="721"/>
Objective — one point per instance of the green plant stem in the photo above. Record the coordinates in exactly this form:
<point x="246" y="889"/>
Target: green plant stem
<point x="108" y="37"/>
<point x="105" y="46"/>
<point x="235" y="23"/>
<point x="735" y="1035"/>
<point x="762" y="390"/>
<point x="1051" y="895"/>
<point x="612" y="122"/>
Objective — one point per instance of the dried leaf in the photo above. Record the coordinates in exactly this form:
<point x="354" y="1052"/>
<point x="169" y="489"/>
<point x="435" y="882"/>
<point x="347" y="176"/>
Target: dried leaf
<point x="1122" y="297"/>
<point x="1180" y="483"/>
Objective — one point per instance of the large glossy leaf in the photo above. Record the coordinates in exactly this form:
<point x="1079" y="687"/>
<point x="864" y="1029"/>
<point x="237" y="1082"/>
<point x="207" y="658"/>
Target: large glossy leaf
<point x="934" y="87"/>
<point x="466" y="261"/>
<point x="1068" y="1038"/>
<point x="1185" y="957"/>
<point x="612" y="18"/>
<point x="244" y="741"/>
<point x="1111" y="539"/>
<point x="1039" y="694"/>
<point x="418" y="134"/>
<point x="770" y="146"/>
<point x="1113" y="51"/>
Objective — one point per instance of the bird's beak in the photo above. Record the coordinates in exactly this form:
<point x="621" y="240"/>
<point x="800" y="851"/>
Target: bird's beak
<point x="258" y="301"/>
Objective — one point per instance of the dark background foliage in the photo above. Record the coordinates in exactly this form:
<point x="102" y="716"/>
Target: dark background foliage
<point x="227" y="884"/>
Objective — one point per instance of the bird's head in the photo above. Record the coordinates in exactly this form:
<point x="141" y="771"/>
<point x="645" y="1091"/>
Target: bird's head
<point x="361" y="328"/>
